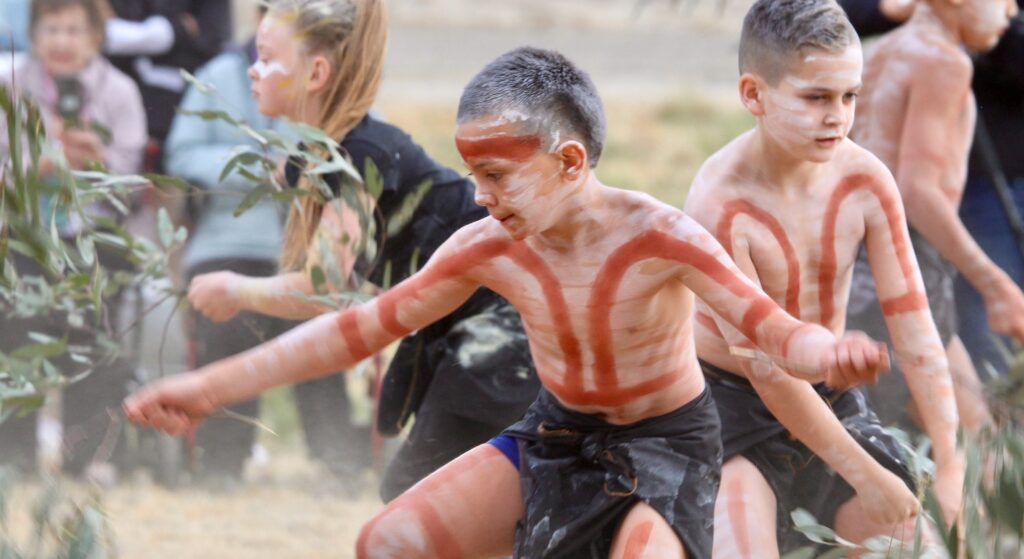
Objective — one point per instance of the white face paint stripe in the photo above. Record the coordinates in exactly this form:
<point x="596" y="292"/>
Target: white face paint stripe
<point x="263" y="69"/>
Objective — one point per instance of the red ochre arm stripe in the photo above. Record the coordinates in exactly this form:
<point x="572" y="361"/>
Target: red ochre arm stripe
<point x="909" y="302"/>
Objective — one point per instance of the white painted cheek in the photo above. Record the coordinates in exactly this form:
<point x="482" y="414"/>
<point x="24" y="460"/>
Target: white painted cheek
<point x="789" y="122"/>
<point x="265" y="70"/>
<point x="519" y="192"/>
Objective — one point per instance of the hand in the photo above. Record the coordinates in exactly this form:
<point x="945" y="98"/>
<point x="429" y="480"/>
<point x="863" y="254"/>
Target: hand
<point x="81" y="147"/>
<point x="855" y="359"/>
<point x="1004" y="304"/>
<point x="175" y="405"/>
<point x="216" y="296"/>
<point x="949" y="487"/>
<point x="886" y="499"/>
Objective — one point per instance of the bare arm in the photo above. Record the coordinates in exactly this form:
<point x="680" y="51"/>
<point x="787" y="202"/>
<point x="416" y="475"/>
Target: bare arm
<point x="924" y="165"/>
<point x="324" y="345"/>
<point x="918" y="346"/>
<point x="905" y="306"/>
<point x="799" y="408"/>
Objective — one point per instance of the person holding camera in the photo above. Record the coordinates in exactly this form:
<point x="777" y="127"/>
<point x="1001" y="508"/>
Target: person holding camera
<point x="93" y="115"/>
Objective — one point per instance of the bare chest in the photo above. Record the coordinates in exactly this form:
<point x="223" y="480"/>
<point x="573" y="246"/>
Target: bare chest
<point x="802" y="249"/>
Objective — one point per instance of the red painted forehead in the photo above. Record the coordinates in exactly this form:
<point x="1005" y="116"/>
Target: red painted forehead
<point x="511" y="148"/>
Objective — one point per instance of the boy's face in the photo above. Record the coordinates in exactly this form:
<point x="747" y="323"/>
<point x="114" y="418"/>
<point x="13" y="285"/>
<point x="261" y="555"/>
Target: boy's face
<point x="983" y="22"/>
<point x="810" y="111"/>
<point x="273" y="73"/>
<point x="64" y="41"/>
<point x="518" y="182"/>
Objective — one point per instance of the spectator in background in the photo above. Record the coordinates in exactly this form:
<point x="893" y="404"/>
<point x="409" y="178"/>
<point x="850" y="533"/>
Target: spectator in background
<point x="104" y="123"/>
<point x="14" y="25"/>
<point x="152" y="40"/>
<point x="249" y="244"/>
<point x="998" y="85"/>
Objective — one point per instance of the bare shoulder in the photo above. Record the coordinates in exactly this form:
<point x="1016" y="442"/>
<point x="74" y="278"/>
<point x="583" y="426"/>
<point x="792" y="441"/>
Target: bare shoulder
<point x="933" y="59"/>
<point x="859" y="165"/>
<point x="486" y="229"/>
<point x="857" y="160"/>
<point x="638" y="211"/>
<point x="718" y="178"/>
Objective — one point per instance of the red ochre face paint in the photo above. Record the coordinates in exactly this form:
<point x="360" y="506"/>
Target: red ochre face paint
<point x="509" y="148"/>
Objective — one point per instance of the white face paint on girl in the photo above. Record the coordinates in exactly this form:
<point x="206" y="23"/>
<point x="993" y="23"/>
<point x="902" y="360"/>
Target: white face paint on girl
<point x="810" y="111"/>
<point x="264" y="69"/>
<point x="273" y="86"/>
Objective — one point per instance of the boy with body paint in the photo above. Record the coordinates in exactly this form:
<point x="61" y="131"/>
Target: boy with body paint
<point x="792" y="201"/>
<point x="620" y="454"/>
<point x="917" y="115"/>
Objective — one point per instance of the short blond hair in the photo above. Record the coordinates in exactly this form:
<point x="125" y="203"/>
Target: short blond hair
<point x="776" y="31"/>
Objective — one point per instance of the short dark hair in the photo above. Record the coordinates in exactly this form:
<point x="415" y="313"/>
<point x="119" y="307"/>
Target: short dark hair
<point x="774" y="31"/>
<point x="544" y="85"/>
<point x="92" y="12"/>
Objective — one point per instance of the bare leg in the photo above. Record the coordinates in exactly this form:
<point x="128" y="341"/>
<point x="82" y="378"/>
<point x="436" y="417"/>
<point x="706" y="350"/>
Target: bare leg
<point x="853" y="524"/>
<point x="468" y="508"/>
<point x="969" y="392"/>
<point x="644" y="534"/>
<point x="744" y="514"/>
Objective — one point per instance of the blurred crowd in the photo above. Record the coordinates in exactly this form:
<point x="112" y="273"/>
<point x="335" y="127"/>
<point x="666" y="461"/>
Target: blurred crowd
<point x="107" y="78"/>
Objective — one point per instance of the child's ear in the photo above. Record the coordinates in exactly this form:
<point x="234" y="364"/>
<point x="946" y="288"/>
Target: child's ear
<point x="319" y="74"/>
<point x="751" y="90"/>
<point x="574" y="159"/>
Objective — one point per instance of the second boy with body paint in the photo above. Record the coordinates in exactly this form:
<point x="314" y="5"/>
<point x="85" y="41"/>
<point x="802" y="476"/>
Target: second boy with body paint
<point x="605" y="281"/>
<point x="918" y="116"/>
<point x="792" y="201"/>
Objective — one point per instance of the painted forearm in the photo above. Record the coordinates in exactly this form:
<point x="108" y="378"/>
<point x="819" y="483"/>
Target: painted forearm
<point x="922" y="358"/>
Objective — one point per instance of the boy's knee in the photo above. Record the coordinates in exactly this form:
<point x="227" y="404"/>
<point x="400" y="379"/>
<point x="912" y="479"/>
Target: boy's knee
<point x="395" y="533"/>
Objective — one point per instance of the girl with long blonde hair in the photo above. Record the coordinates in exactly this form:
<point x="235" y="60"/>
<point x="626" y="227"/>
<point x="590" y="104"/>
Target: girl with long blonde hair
<point x="321" y="63"/>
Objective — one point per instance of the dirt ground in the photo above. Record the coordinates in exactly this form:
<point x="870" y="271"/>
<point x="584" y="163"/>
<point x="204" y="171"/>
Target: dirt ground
<point x="666" y="69"/>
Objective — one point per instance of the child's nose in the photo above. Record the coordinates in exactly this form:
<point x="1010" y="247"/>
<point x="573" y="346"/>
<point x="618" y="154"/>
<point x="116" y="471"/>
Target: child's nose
<point x="485" y="200"/>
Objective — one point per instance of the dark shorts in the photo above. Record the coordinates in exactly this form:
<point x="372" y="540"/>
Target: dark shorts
<point x="890" y="396"/>
<point x="580" y="476"/>
<point x="796" y="475"/>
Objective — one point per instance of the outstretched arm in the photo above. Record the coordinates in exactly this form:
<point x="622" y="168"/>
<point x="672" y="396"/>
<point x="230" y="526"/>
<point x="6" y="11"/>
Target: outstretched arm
<point x="924" y="169"/>
<point x="713" y="277"/>
<point x="324" y="345"/>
